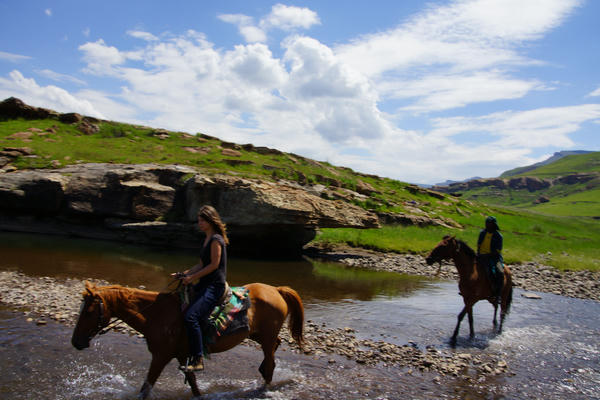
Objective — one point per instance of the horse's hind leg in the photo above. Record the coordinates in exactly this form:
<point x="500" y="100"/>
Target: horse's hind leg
<point x="266" y="368"/>
<point x="471" y="330"/>
<point x="495" y="322"/>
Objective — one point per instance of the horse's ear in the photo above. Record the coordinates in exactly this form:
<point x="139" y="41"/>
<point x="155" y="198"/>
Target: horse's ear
<point x="446" y="237"/>
<point x="89" y="289"/>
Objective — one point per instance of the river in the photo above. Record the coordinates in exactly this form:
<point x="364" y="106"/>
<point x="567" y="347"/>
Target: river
<point x="551" y="344"/>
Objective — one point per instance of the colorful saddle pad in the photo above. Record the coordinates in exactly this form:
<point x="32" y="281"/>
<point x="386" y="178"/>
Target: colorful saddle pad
<point x="231" y="315"/>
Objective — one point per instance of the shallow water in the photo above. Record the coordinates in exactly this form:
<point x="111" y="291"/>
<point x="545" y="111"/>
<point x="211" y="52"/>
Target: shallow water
<point x="551" y="345"/>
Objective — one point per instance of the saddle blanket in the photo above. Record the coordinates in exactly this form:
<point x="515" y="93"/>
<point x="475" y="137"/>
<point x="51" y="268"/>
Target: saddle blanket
<point x="231" y="315"/>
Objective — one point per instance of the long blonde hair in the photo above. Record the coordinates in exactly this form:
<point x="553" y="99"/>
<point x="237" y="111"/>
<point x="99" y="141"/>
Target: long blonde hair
<point x="210" y="215"/>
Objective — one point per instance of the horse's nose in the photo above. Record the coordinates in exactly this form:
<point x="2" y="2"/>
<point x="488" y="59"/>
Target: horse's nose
<point x="429" y="260"/>
<point x="80" y="344"/>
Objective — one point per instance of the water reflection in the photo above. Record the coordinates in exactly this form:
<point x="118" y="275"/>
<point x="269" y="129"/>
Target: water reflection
<point x="135" y="265"/>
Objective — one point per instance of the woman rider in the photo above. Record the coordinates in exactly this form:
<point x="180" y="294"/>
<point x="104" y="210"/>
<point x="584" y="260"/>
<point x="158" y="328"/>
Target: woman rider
<point x="211" y="271"/>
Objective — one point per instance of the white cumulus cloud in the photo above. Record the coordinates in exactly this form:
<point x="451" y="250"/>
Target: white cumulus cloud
<point x="351" y="103"/>
<point x="52" y="97"/>
<point x="286" y="18"/>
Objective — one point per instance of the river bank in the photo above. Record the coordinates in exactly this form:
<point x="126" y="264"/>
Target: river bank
<point x="527" y="276"/>
<point x="44" y="298"/>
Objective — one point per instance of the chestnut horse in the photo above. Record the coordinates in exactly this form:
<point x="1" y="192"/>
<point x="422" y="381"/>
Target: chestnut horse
<point x="159" y="318"/>
<point x="473" y="283"/>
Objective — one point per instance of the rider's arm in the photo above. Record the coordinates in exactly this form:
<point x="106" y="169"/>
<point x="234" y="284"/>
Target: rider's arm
<point x="215" y="257"/>
<point x="188" y="271"/>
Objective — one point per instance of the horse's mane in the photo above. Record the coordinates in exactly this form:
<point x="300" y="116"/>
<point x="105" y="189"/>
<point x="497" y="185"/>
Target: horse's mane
<point x="114" y="292"/>
<point x="466" y="248"/>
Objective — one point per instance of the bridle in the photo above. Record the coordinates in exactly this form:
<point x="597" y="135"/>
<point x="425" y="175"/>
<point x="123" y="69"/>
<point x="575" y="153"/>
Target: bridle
<point x="100" y="327"/>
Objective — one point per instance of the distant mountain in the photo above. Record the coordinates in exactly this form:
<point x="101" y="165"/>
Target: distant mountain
<point x="567" y="184"/>
<point x="449" y="182"/>
<point x="555" y="157"/>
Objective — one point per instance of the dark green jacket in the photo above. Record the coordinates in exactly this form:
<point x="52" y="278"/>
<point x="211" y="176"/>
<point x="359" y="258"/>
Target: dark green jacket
<point x="495" y="245"/>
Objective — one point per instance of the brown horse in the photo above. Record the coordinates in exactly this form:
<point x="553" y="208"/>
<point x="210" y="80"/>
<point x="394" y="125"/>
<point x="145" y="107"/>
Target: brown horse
<point x="473" y="283"/>
<point x="158" y="317"/>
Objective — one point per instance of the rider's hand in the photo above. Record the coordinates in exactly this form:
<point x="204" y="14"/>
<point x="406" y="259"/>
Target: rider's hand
<point x="178" y="275"/>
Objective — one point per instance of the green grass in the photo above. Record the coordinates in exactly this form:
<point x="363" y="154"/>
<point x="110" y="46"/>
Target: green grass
<point x="581" y="204"/>
<point x="529" y="232"/>
<point x="565" y="243"/>
<point x="568" y="165"/>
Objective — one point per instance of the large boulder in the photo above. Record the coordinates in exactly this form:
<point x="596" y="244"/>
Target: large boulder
<point x="271" y="219"/>
<point x="158" y="204"/>
<point x="12" y="108"/>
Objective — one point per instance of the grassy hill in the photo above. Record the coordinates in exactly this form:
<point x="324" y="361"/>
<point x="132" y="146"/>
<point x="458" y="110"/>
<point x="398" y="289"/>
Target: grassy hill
<point x="525" y="171"/>
<point x="123" y="143"/>
<point x="560" y="199"/>
<point x="573" y="242"/>
<point x="571" y="164"/>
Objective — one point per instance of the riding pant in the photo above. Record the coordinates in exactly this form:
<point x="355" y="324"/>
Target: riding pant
<point x="198" y="312"/>
<point x="495" y="270"/>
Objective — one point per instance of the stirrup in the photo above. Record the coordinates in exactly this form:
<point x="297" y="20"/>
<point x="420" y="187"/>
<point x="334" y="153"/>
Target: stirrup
<point x="194" y="365"/>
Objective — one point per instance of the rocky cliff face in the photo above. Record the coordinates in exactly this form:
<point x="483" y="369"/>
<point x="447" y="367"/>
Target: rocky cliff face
<point x="529" y="183"/>
<point x="157" y="204"/>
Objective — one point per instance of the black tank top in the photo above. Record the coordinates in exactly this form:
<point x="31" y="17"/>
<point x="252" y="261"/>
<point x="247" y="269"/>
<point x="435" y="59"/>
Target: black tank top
<point x="218" y="276"/>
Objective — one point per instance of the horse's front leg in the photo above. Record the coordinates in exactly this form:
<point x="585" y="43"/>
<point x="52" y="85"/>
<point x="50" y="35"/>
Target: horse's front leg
<point x="460" y="318"/>
<point x="156" y="366"/>
<point x="190" y="377"/>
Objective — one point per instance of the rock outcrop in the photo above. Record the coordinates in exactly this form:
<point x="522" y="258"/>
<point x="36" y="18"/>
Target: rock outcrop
<point x="157" y="204"/>
<point x="12" y="108"/>
<point x="528" y="183"/>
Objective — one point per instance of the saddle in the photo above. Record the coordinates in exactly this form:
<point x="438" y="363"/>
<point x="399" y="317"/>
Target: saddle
<point x="229" y="315"/>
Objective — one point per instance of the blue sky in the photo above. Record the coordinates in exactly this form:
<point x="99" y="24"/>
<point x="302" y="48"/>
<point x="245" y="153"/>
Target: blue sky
<point x="415" y="91"/>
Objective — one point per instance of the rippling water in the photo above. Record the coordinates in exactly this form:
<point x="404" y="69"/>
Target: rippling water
<point x="551" y="345"/>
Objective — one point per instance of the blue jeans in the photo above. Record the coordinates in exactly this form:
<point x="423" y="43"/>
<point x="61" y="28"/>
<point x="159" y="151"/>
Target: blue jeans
<point x="198" y="312"/>
<point x="495" y="270"/>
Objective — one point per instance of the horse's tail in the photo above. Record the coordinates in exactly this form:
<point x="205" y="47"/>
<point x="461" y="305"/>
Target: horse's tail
<point x="296" y="312"/>
<point x="509" y="300"/>
<point x="510" y="295"/>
